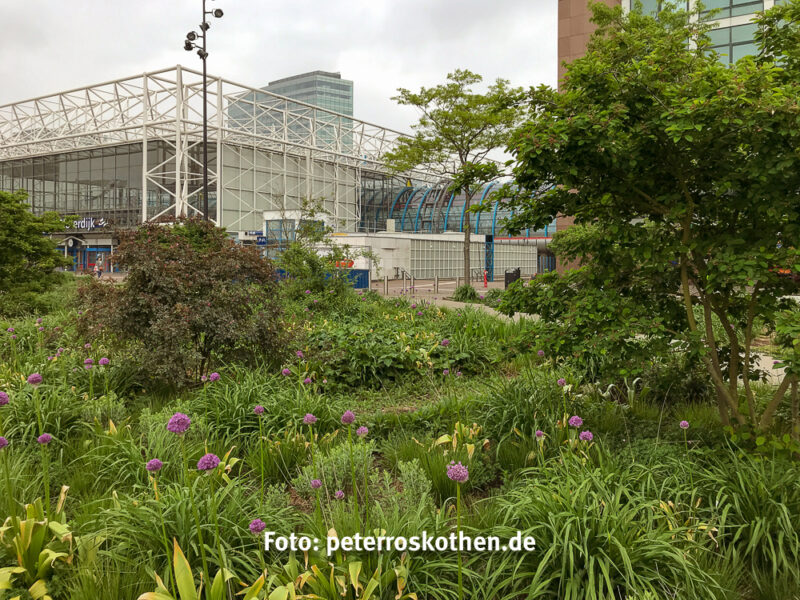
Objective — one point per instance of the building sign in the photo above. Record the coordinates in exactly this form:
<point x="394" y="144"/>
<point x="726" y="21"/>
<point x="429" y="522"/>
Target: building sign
<point x="261" y="240"/>
<point x="254" y="233"/>
<point x="88" y="223"/>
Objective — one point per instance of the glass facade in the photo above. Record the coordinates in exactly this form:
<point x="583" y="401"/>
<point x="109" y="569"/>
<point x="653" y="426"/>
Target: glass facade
<point x="732" y="8"/>
<point x="656" y="6"/>
<point x="732" y="43"/>
<point x="432" y="209"/>
<point x="326" y="90"/>
<point x="103" y="184"/>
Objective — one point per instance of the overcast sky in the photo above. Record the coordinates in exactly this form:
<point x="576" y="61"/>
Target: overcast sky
<point x="49" y="45"/>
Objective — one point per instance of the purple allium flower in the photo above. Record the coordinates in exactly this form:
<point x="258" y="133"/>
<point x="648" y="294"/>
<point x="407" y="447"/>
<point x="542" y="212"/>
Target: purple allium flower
<point x="3" y="398"/>
<point x="41" y="328"/>
<point x="324" y="381"/>
<point x="316" y="300"/>
<point x="13" y="337"/>
<point x="316" y="484"/>
<point x="419" y="313"/>
<point x="307" y="380"/>
<point x="362" y="431"/>
<point x="154" y="465"/>
<point x="51" y="358"/>
<point x="44" y="439"/>
<point x="457" y="472"/>
<point x="562" y="382"/>
<point x="10" y="330"/>
<point x="339" y="495"/>
<point x="446" y="372"/>
<point x="87" y="346"/>
<point x="3" y="442"/>
<point x="208" y="462"/>
<point x="286" y="372"/>
<point x="179" y="423"/>
<point x="348" y="418"/>
<point x="88" y="361"/>
<point x="39" y="321"/>
<point x="309" y="419"/>
<point x="214" y="377"/>
<point x="87" y="367"/>
<point x="203" y="378"/>
<point x="459" y="373"/>
<point x="540" y="353"/>
<point x="259" y="410"/>
<point x="257" y="526"/>
<point x="413" y="306"/>
<point x="575" y="421"/>
<point x="539" y="433"/>
<point x="445" y="342"/>
<point x="684" y="424"/>
<point x="104" y="362"/>
<point x="34" y="379"/>
<point x="586" y="436"/>
<point x="300" y="354"/>
<point x="308" y="291"/>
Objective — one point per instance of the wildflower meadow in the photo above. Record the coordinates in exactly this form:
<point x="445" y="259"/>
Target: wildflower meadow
<point x="368" y="416"/>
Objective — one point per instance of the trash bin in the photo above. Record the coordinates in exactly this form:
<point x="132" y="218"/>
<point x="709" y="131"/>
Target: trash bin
<point x="512" y="275"/>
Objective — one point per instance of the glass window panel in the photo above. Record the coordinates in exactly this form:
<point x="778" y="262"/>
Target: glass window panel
<point x="742" y="50"/>
<point x="720" y="36"/>
<point x="743" y="33"/>
<point x="746" y="9"/>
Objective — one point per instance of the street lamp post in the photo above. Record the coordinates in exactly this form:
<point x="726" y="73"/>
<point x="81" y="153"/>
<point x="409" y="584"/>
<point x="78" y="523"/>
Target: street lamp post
<point x="190" y="45"/>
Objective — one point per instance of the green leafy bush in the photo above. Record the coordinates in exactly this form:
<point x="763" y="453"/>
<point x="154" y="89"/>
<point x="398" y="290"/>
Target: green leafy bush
<point x="465" y="293"/>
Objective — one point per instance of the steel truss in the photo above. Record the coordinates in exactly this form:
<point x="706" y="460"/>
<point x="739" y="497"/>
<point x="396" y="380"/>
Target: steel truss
<point x="329" y="149"/>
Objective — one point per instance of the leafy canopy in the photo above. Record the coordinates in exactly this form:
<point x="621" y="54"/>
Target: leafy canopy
<point x="27" y="254"/>
<point x="457" y="131"/>
<point x="689" y="164"/>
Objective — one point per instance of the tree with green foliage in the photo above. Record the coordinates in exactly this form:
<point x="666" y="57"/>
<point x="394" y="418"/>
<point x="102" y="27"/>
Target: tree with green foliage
<point x="688" y="164"/>
<point x="457" y="132"/>
<point x="192" y="298"/>
<point x="28" y="257"/>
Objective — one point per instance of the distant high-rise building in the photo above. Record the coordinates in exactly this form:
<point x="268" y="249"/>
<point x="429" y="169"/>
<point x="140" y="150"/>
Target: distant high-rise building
<point x="320" y="88"/>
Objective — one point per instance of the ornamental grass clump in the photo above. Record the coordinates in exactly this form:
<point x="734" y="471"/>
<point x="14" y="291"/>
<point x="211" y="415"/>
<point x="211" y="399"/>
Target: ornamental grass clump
<point x="153" y="466"/>
<point x="348" y="418"/>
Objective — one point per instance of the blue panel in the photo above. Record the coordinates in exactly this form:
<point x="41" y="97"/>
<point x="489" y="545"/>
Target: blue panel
<point x="419" y="209"/>
<point x="405" y="209"/>
<point x="447" y="212"/>
<point x="494" y="217"/>
<point x="391" y="210"/>
<point x="483" y="197"/>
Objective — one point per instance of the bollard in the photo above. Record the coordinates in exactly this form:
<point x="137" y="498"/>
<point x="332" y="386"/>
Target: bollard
<point x="458" y="282"/>
<point x="385" y="285"/>
<point x="413" y="291"/>
<point x="435" y="284"/>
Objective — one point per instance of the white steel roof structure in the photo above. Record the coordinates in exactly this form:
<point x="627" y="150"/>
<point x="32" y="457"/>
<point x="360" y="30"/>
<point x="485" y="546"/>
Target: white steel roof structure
<point x="166" y="107"/>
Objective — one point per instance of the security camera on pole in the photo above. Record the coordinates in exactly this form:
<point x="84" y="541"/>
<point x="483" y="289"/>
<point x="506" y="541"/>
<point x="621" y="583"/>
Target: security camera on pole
<point x="190" y="45"/>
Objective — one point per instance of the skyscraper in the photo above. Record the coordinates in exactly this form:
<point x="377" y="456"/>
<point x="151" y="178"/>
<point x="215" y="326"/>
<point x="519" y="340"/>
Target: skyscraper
<point x="320" y="88"/>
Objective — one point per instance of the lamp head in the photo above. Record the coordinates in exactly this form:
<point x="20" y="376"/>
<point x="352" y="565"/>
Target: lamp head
<point x="218" y="13"/>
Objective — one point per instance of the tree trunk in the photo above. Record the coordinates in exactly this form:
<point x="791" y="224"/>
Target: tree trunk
<point x="467" y="236"/>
